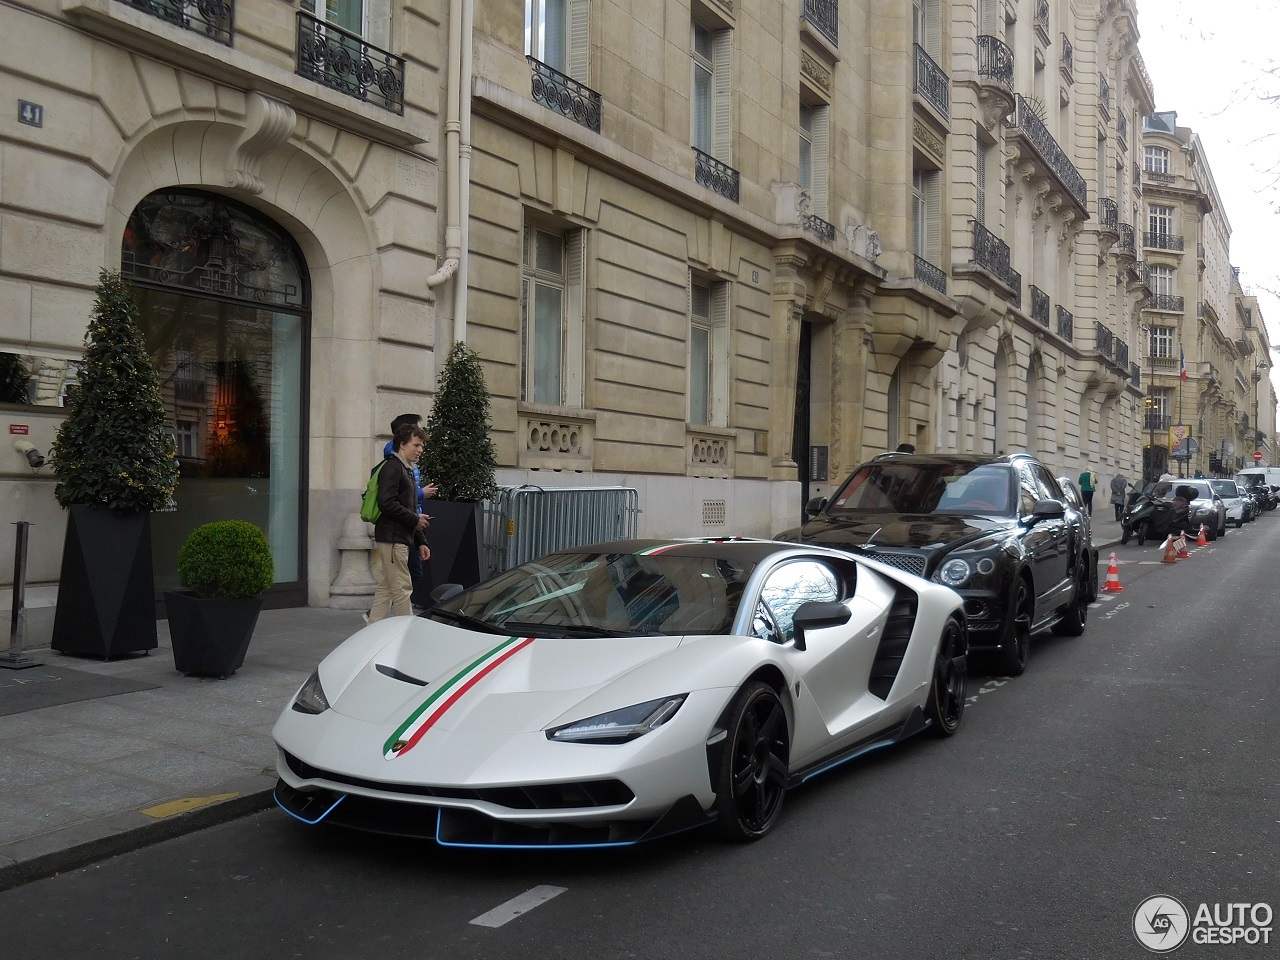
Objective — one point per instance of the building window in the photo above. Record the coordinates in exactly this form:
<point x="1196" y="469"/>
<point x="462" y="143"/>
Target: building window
<point x="926" y="215"/>
<point x="1160" y="220"/>
<point x="1162" y="342"/>
<point x="926" y="24"/>
<point x="708" y="352"/>
<point x="981" y="161"/>
<point x="551" y="317"/>
<point x="1161" y="277"/>
<point x="1156" y="159"/>
<point x="1159" y="403"/>
<point x="185" y="434"/>
<point x="711" y="90"/>
<point x="556" y="33"/>
<point x="813" y="156"/>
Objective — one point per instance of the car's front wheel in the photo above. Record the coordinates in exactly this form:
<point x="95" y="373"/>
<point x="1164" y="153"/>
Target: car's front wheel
<point x="752" y="779"/>
<point x="950" y="681"/>
<point x="1016" y="644"/>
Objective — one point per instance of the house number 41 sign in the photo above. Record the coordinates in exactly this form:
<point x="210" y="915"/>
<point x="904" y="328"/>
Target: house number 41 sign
<point x="30" y="113"/>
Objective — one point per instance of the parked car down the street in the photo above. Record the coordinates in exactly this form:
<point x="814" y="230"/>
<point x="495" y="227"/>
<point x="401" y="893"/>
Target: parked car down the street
<point x="1204" y="507"/>
<point x="997" y="529"/>
<point x="1236" y="504"/>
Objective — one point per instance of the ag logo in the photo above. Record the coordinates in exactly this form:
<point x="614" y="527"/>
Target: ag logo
<point x="1161" y="923"/>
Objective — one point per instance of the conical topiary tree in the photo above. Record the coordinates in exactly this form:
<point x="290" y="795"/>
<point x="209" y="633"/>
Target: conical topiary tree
<point x="114" y="449"/>
<point x="460" y="458"/>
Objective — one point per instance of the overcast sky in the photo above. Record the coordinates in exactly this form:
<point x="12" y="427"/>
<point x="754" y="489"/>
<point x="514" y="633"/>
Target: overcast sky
<point x="1209" y="61"/>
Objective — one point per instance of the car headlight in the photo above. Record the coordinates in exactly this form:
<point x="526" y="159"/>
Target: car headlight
<point x="311" y="698"/>
<point x="954" y="572"/>
<point x="619" y="726"/>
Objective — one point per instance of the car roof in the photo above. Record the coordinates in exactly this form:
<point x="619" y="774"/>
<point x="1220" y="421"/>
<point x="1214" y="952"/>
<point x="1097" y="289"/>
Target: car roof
<point x="936" y="459"/>
<point x="745" y="549"/>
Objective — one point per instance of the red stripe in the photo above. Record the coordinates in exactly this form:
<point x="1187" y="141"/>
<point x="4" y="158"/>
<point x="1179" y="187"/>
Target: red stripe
<point x="459" y="692"/>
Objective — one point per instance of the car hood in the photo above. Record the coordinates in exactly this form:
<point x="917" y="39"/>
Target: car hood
<point x="930" y="534"/>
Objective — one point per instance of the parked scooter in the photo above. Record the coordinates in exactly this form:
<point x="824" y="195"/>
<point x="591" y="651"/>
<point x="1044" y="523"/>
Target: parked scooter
<point x="1154" y="512"/>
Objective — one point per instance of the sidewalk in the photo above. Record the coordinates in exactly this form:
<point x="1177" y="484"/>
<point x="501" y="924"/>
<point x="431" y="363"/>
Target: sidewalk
<point x="145" y="753"/>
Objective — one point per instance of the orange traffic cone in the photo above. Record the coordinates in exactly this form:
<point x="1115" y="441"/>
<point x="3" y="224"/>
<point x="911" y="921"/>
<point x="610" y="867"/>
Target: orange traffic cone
<point x="1170" y="551"/>
<point x="1113" y="577"/>
<point x="1203" y="539"/>
<point x="1183" y="552"/>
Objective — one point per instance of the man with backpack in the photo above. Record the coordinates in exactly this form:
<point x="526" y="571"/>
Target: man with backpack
<point x="400" y="527"/>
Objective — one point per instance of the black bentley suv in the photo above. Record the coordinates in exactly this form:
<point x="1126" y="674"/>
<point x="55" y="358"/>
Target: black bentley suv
<point x="998" y="530"/>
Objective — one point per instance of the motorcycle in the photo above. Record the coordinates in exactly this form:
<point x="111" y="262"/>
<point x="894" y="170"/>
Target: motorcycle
<point x="1154" y="512"/>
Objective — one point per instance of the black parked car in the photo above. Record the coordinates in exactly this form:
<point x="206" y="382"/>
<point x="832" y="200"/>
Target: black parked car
<point x="997" y="530"/>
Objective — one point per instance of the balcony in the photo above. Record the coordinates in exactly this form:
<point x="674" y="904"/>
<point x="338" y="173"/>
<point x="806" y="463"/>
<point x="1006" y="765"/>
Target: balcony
<point x="1121" y="354"/>
<point x="825" y="17"/>
<point x="992" y="254"/>
<point x="1122" y="129"/>
<point x="995" y="61"/>
<point x="1164" y="301"/>
<point x="1135" y="374"/>
<point x="1155" y="421"/>
<point x="1041" y="20"/>
<point x="932" y="84"/>
<point x="1159" y="176"/>
<point x="1050" y="154"/>
<point x="927" y="273"/>
<point x="1039" y="306"/>
<point x="1066" y="323"/>
<point x="1104" y="96"/>
<point x="1161" y="241"/>
<point x="343" y="61"/>
<point x="714" y="175"/>
<point x="821" y="228"/>
<point x="1125" y="245"/>
<point x="1104" y="340"/>
<point x="565" y="95"/>
<point x="214" y="18"/>
<point x="1066" y="61"/>
<point x="1108" y="214"/>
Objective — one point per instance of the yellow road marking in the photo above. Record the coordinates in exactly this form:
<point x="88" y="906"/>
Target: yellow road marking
<point x="174" y="807"/>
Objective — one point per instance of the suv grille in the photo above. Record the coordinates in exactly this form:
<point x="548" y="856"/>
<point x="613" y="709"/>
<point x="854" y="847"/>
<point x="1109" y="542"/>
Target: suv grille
<point x="910" y="562"/>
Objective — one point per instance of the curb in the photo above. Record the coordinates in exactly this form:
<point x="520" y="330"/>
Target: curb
<point x="71" y="847"/>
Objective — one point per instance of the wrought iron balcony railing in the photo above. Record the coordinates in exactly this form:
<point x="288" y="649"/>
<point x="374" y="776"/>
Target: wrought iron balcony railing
<point x="1122" y="126"/>
<point x="565" y="95"/>
<point x="1156" y="421"/>
<point x="1104" y="340"/>
<point x="344" y="61"/>
<point x="1053" y="156"/>
<point x="1039" y="306"/>
<point x="992" y="254"/>
<point x="1104" y="94"/>
<point x="995" y="60"/>
<point x="1135" y="374"/>
<point x="1162" y="241"/>
<point x="717" y="176"/>
<point x="1066" y="323"/>
<point x="1068" y="58"/>
<point x="214" y="18"/>
<point x="926" y="272"/>
<point x="825" y="15"/>
<point x="1122" y="354"/>
<point x="820" y="227"/>
<point x="1163" y="301"/>
<point x="1125" y="245"/>
<point x="932" y="83"/>
<point x="1041" y="17"/>
<point x="1108" y="213"/>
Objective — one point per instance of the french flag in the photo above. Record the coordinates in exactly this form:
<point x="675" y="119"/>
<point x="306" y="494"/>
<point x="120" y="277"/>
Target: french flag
<point x="1182" y="360"/>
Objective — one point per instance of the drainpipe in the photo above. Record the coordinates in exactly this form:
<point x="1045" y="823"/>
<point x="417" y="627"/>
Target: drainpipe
<point x="464" y="172"/>
<point x="452" y="127"/>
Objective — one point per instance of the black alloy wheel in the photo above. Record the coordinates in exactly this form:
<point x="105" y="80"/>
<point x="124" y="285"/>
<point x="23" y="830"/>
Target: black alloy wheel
<point x="1076" y="613"/>
<point x="752" y="779"/>
<point x="950" y="681"/>
<point x="1016" y="643"/>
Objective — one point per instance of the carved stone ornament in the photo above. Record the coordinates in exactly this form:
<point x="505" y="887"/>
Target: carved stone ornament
<point x="863" y="241"/>
<point x="925" y="137"/>
<point x="815" y="71"/>
<point x="268" y="124"/>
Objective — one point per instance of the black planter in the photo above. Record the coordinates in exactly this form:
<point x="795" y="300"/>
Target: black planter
<point x="454" y="539"/>
<point x="210" y="634"/>
<point x="106" y="590"/>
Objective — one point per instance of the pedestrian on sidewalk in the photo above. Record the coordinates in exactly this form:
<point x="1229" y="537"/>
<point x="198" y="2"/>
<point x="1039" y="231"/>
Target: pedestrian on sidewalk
<point x="1088" y="483"/>
<point x="1118" y="486"/>
<point x="400" y="528"/>
<point x="416" y="570"/>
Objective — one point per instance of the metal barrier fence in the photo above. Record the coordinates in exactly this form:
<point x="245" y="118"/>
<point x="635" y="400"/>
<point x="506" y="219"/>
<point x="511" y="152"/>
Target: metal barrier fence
<point x="524" y="523"/>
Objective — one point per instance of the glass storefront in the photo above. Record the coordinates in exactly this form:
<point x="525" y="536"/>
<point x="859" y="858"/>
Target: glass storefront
<point x="223" y="303"/>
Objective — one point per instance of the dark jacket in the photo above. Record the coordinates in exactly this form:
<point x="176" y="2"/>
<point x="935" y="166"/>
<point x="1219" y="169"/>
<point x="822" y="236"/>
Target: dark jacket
<point x="398" y="500"/>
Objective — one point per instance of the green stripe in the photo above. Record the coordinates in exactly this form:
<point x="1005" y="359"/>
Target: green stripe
<point x="452" y="682"/>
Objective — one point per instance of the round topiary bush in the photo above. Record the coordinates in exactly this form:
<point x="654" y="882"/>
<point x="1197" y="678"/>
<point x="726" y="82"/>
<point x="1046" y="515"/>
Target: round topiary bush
<point x="226" y="558"/>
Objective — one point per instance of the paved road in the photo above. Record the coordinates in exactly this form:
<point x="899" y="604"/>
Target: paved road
<point x="1139" y="759"/>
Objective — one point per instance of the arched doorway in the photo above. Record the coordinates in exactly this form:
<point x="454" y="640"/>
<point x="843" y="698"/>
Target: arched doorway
<point x="224" y="303"/>
<point x="1000" y="399"/>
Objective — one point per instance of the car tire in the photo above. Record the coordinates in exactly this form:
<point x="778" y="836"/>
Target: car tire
<point x="1239" y="524"/>
<point x="752" y="780"/>
<point x="1092" y="561"/>
<point x="1011" y="659"/>
<point x="950" y="681"/>
<point x="1076" y="613"/>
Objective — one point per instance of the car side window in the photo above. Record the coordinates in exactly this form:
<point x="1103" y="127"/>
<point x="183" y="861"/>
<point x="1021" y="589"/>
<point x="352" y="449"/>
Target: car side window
<point x="785" y="589"/>
<point x="1048" y="486"/>
<point x="1028" y="490"/>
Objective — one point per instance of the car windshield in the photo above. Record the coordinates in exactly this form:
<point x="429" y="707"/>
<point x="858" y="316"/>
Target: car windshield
<point x="926" y="488"/>
<point x="1225" y="488"/>
<point x="605" y="595"/>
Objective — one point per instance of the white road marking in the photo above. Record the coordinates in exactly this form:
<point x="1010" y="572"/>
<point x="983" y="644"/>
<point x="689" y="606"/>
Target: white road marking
<point x="506" y="912"/>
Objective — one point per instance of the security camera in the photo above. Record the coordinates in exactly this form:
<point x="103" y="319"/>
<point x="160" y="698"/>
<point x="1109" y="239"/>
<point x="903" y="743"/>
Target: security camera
<point x="34" y="456"/>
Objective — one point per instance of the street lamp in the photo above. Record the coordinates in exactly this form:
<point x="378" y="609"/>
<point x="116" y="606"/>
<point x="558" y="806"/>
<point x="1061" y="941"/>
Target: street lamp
<point x="1149" y="407"/>
<point x="1258" y="376"/>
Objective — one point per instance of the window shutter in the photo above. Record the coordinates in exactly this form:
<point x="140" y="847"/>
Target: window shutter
<point x="575" y="318"/>
<point x="981" y="161"/>
<point x="933" y="218"/>
<point x="720" y="354"/>
<point x="933" y="29"/>
<point x="722" y="63"/>
<point x="579" y="39"/>
<point x="819" y="150"/>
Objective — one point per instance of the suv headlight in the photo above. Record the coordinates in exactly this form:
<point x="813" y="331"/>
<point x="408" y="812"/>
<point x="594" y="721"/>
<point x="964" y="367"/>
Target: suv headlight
<point x="954" y="572"/>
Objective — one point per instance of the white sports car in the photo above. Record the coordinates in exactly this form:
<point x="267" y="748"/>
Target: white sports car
<point x="619" y="692"/>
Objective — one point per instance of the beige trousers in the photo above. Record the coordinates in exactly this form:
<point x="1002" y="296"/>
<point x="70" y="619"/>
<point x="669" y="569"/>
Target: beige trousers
<point x="391" y="570"/>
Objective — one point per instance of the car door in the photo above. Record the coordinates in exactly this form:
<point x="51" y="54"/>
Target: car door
<point x="1047" y="543"/>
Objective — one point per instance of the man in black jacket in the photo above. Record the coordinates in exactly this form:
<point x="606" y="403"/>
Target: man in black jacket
<point x="400" y="528"/>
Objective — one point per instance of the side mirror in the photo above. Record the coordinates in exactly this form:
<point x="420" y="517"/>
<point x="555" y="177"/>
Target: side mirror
<point x="1047" y="510"/>
<point x="816" y="614"/>
<point x="815" y="506"/>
